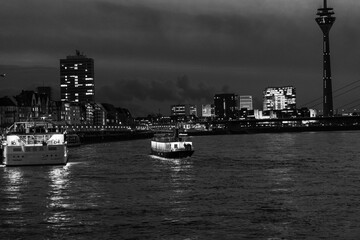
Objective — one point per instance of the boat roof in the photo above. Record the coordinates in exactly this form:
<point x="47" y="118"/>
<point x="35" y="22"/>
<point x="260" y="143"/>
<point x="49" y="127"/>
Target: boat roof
<point x="24" y="127"/>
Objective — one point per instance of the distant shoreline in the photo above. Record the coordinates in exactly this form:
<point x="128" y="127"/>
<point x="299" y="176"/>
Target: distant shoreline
<point x="136" y="135"/>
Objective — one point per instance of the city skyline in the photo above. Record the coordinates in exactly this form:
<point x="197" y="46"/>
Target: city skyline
<point x="143" y="49"/>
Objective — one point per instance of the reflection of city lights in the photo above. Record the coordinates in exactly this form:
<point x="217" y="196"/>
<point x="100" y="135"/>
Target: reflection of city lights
<point x="14" y="175"/>
<point x="57" y="194"/>
<point x="13" y="183"/>
<point x="58" y="177"/>
<point x="58" y="217"/>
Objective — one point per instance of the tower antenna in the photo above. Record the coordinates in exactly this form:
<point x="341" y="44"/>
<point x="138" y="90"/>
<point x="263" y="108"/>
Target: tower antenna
<point x="325" y="20"/>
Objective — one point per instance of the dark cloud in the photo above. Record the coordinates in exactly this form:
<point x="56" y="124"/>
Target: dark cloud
<point x="156" y="90"/>
<point x="187" y="92"/>
<point x="222" y="46"/>
<point x="150" y="93"/>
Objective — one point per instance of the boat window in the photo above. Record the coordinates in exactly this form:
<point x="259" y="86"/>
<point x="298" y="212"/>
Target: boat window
<point x="175" y="146"/>
<point x="52" y="148"/>
<point x="17" y="149"/>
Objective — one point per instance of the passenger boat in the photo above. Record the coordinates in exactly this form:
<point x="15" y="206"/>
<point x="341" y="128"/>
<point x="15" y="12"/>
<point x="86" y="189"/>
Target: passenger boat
<point x="172" y="145"/>
<point x="34" y="143"/>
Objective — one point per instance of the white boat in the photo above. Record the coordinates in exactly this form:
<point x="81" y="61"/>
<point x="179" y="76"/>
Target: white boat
<point x="34" y="143"/>
<point x="172" y="146"/>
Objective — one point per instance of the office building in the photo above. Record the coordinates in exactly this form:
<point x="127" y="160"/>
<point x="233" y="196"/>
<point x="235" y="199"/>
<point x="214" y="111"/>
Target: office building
<point x="279" y="98"/>
<point x="178" y="110"/>
<point x="246" y="102"/>
<point x="208" y="110"/>
<point x="77" y="79"/>
<point x="184" y="110"/>
<point x="193" y="110"/>
<point x="225" y="106"/>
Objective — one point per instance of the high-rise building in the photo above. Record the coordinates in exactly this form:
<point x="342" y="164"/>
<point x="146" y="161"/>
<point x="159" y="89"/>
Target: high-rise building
<point x="77" y="78"/>
<point x="225" y="106"/>
<point x="279" y="98"/>
<point x="246" y="102"/>
<point x="325" y="20"/>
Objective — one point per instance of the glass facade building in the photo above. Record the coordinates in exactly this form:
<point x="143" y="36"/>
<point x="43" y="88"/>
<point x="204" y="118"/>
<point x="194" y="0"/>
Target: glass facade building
<point x="279" y="98"/>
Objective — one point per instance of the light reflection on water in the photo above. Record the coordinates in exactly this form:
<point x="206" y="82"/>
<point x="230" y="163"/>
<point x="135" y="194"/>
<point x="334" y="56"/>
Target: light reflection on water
<point x="179" y="196"/>
<point x="67" y="198"/>
<point x="266" y="186"/>
<point x="14" y="182"/>
<point x="57" y="195"/>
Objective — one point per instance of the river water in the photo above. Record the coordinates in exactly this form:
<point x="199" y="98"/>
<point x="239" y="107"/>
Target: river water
<point x="261" y="186"/>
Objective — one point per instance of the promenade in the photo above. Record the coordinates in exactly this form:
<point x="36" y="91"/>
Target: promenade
<point x="96" y="134"/>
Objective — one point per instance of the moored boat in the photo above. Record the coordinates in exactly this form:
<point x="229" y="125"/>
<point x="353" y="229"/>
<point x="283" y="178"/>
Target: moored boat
<point x="172" y="145"/>
<point x="34" y="143"/>
<point x="72" y="140"/>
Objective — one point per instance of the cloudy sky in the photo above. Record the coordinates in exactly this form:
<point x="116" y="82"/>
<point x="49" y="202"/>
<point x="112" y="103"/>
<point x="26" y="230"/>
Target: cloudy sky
<point x="144" y="48"/>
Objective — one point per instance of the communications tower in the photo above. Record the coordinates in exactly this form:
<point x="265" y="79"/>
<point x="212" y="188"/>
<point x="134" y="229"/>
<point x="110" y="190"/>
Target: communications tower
<point x="325" y="20"/>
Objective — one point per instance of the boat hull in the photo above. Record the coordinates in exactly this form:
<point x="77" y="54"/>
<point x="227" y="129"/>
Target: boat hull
<point x="173" y="154"/>
<point x="34" y="143"/>
<point x="37" y="156"/>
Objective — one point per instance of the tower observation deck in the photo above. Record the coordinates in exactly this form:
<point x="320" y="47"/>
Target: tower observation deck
<point x="325" y="20"/>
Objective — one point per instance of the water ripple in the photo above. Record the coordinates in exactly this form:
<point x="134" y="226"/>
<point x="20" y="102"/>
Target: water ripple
<point x="263" y="186"/>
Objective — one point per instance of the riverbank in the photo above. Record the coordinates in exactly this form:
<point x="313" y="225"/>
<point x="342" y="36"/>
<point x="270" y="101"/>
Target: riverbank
<point x="103" y="136"/>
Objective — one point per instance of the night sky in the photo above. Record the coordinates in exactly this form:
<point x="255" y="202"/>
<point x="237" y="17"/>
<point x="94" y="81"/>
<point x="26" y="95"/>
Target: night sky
<point x="150" y="54"/>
